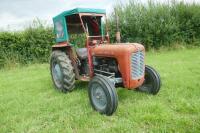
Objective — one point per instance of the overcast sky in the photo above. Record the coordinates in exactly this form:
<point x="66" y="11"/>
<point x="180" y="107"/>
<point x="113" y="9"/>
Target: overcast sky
<point x="16" y="14"/>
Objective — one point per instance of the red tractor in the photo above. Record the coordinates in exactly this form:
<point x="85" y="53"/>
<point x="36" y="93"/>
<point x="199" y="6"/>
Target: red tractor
<point x="96" y="60"/>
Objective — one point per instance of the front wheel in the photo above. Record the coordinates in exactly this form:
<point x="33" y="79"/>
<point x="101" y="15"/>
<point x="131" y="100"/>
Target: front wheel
<point x="152" y="81"/>
<point x="102" y="95"/>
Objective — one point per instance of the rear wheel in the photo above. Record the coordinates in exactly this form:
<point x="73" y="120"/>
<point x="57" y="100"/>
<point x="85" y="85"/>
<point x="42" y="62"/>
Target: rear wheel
<point x="152" y="81"/>
<point x="102" y="95"/>
<point x="62" y="71"/>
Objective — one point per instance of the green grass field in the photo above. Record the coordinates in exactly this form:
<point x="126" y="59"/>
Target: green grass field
<point x="30" y="104"/>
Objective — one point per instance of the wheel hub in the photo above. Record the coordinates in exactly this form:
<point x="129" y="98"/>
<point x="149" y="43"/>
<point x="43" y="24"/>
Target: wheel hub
<point x="99" y="97"/>
<point x="57" y="74"/>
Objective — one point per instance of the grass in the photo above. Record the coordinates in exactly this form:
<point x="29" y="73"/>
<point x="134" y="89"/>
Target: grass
<point x="29" y="103"/>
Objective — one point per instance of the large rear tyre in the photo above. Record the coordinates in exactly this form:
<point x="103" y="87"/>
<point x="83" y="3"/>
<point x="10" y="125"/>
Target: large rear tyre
<point x="62" y="71"/>
<point x="152" y="81"/>
<point x="103" y="96"/>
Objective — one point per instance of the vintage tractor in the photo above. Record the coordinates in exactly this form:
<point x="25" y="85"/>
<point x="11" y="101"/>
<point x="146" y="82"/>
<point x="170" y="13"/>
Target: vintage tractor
<point x="83" y="52"/>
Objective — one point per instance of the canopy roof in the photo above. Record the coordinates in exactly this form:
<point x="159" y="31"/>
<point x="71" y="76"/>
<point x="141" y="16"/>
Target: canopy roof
<point x="60" y="24"/>
<point x="81" y="10"/>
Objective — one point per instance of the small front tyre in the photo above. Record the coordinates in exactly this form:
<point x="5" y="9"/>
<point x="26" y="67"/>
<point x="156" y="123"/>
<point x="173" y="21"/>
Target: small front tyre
<point x="103" y="96"/>
<point x="152" y="81"/>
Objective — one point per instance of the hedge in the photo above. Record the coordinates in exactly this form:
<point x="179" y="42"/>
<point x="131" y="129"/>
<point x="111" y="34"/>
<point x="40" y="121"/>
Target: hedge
<point x="32" y="44"/>
<point x="154" y="25"/>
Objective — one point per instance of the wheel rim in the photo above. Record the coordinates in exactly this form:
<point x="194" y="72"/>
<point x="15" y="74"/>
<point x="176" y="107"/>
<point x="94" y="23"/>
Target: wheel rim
<point x="98" y="96"/>
<point x="57" y="74"/>
<point x="148" y="84"/>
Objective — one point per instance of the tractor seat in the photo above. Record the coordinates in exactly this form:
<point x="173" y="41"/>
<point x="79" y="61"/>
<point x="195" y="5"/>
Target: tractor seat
<point x="82" y="53"/>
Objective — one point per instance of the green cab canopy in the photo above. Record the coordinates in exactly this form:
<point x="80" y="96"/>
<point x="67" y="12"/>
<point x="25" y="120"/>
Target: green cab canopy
<point x="80" y="10"/>
<point x="60" y="27"/>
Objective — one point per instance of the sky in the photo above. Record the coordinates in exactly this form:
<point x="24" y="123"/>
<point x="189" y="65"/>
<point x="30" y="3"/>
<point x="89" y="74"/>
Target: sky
<point x="17" y="14"/>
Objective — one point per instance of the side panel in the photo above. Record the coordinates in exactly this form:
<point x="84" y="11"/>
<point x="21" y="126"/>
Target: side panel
<point x="60" y="29"/>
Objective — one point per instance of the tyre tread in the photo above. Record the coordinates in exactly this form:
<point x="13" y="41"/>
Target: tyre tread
<point x="67" y="70"/>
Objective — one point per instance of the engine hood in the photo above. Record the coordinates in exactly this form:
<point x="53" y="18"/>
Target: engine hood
<point x="116" y="49"/>
<point x="122" y="53"/>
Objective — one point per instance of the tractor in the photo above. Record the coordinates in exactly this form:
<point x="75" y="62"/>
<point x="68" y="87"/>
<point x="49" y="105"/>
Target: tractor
<point x="83" y="52"/>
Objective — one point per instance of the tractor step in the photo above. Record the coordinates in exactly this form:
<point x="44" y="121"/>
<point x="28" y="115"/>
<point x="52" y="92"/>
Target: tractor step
<point x="84" y="78"/>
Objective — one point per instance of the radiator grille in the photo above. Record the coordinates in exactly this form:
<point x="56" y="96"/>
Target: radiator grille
<point x="137" y="65"/>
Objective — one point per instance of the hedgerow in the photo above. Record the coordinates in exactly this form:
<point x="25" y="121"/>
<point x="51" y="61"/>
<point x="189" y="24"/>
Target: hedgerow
<point x="153" y="24"/>
<point x="32" y="44"/>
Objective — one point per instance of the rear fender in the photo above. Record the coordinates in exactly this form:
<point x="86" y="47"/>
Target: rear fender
<point x="65" y="47"/>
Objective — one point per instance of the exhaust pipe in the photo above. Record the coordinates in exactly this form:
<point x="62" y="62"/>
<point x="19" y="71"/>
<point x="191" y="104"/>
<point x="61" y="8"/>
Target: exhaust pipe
<point x="118" y="35"/>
